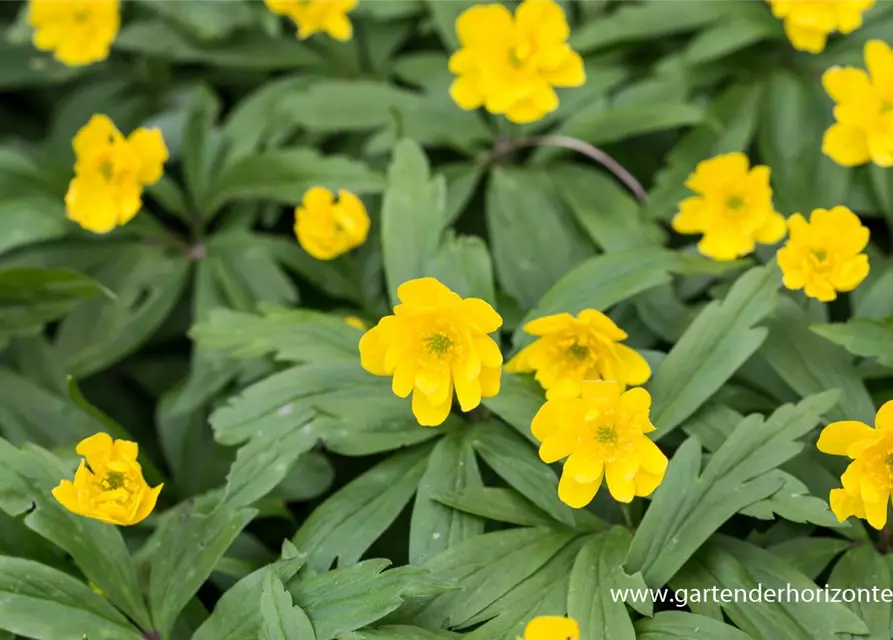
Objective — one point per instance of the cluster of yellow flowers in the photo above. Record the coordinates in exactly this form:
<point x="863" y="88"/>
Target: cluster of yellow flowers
<point x="808" y="23"/>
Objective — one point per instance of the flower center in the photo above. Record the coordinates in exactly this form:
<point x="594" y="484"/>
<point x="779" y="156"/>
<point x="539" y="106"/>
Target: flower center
<point x="519" y="54"/>
<point x="106" y="170"/>
<point x="735" y="203"/>
<point x="438" y="343"/>
<point x="113" y="480"/>
<point x="578" y="352"/>
<point x="81" y="16"/>
<point x="606" y="434"/>
<point x="820" y="254"/>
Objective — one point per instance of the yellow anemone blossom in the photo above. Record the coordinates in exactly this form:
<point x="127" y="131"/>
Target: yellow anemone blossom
<point x="109" y="485"/>
<point x="511" y="64"/>
<point x="868" y="480"/>
<point x="571" y="350"/>
<point x="436" y="341"/>
<point x="78" y="32"/>
<point x="733" y="208"/>
<point x="863" y="110"/>
<point x="808" y="23"/>
<point x="602" y="434"/>
<point x="315" y="16"/>
<point x="325" y="228"/>
<point x="824" y="255"/>
<point x="110" y="173"/>
<point x="551" y="628"/>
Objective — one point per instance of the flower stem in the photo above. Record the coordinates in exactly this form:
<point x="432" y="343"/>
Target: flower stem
<point x="566" y="142"/>
<point x="627" y="516"/>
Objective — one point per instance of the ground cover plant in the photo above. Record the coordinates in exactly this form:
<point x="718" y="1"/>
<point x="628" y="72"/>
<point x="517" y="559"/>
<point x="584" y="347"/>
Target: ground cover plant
<point x="428" y="320"/>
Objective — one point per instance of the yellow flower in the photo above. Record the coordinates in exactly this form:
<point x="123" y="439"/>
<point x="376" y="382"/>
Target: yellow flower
<point x="313" y="16"/>
<point x="809" y="22"/>
<point x="78" y="32"/>
<point x="868" y="480"/>
<point x="863" y="110"/>
<point x="602" y="435"/>
<point x="434" y="342"/>
<point x="551" y="628"/>
<point x="571" y="350"/>
<point x="824" y="256"/>
<point x="111" y="488"/>
<point x="110" y="172"/>
<point x="733" y="208"/>
<point x="355" y="322"/>
<point x="326" y="228"/>
<point x="510" y="65"/>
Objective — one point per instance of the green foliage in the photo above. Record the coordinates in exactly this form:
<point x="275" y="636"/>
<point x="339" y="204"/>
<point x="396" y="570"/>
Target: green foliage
<point x="301" y="498"/>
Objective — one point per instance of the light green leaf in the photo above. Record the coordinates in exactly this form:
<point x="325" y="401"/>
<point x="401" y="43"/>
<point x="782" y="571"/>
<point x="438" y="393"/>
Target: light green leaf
<point x="284" y="175"/>
<point x="399" y="632"/>
<point x="45" y="604"/>
<point x="351" y="519"/>
<point x="728" y="125"/>
<point x="247" y="50"/>
<point x="533" y="239"/>
<point x="29" y="220"/>
<point x="493" y="503"/>
<point x="520" y="397"/>
<point x="810" y="364"/>
<point x="675" y="625"/>
<point x="794" y="503"/>
<point x="719" y="340"/>
<point x="346" y="599"/>
<point x="597" y="572"/>
<point x="199" y="151"/>
<point x="612" y="124"/>
<point x="452" y="466"/>
<point x="185" y="552"/>
<point x="690" y="506"/>
<point x="866" y="571"/>
<point x="865" y="338"/>
<point x="810" y="556"/>
<point x="281" y="619"/>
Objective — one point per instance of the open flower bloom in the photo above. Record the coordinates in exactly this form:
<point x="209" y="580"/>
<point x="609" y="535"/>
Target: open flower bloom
<point x="78" y="32"/>
<point x="808" y="23"/>
<point x="511" y="64"/>
<point x="110" y="173"/>
<point x="436" y="341"/>
<point x="824" y="255"/>
<point x="326" y="228"/>
<point x="551" y="628"/>
<point x="733" y="208"/>
<point x="315" y="16"/>
<point x="571" y="350"/>
<point x="868" y="480"/>
<point x="863" y="110"/>
<point x="602" y="434"/>
<point x="109" y="486"/>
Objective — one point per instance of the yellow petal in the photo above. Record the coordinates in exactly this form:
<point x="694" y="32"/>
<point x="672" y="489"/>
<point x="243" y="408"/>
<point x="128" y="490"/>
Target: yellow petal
<point x="602" y="323"/>
<point x="126" y="450"/>
<point x="717" y="171"/>
<point x="490" y="380"/>
<point x="481" y="315"/>
<point x="620" y="475"/>
<point x="482" y="25"/>
<point x="373" y="349"/>
<point x="692" y="216"/>
<point x="97" y="449"/>
<point x="576" y="494"/>
<point x="545" y="19"/>
<point x="146" y="505"/>
<point x="651" y="458"/>
<point x="607" y="390"/>
<point x="404" y="380"/>
<point x="850" y="273"/>
<point x="879" y="60"/>
<point x="837" y="437"/>
<point x="584" y="467"/>
<point x="425" y="292"/>
<point x="646" y="483"/>
<point x="468" y="390"/>
<point x="557" y="445"/>
<point x="772" y="231"/>
<point x="427" y="413"/>
<point x="805" y="38"/>
<point x="339" y="27"/>
<point x="552" y="628"/>
<point x="876" y="512"/>
<point x="551" y="415"/>
<point x="318" y="198"/>
<point x="98" y="133"/>
<point x="846" y="144"/>
<point x="570" y="73"/>
<point x="633" y="367"/>
<point x="67" y="496"/>
<point x="466" y="93"/>
<point x="636" y="400"/>
<point x="149" y="147"/>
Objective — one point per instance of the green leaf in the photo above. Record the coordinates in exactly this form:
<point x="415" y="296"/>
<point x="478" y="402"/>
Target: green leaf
<point x="810" y="556"/>
<point x="719" y="340"/>
<point x="688" y="507"/>
<point x="29" y="220"/>
<point x="735" y="564"/>
<point x="738" y="33"/>
<point x="605" y="209"/>
<point x="810" y="364"/>
<point x="452" y="466"/>
<point x="607" y="125"/>
<point x="597" y="572"/>
<point x="284" y="175"/>
<point x="485" y="568"/>
<point x="864" y="570"/>
<point x="349" y="598"/>
<point x="520" y="397"/>
<point x="187" y="548"/>
<point x="45" y="604"/>
<point x="493" y="503"/>
<point x="246" y="50"/>
<point x="675" y="625"/>
<point x="237" y="615"/>
<point x="865" y="338"/>
<point x="246" y="270"/>
<point x="282" y="620"/>
<point x="100" y="332"/>
<point x="29" y="297"/>
<point x="199" y="150"/>
<point x="533" y="239"/>
<point x="444" y="15"/>
<point x="518" y="464"/>
<point x="728" y="125"/>
<point x="399" y="632"/>
<point x="794" y="503"/>
<point x="351" y="519"/>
